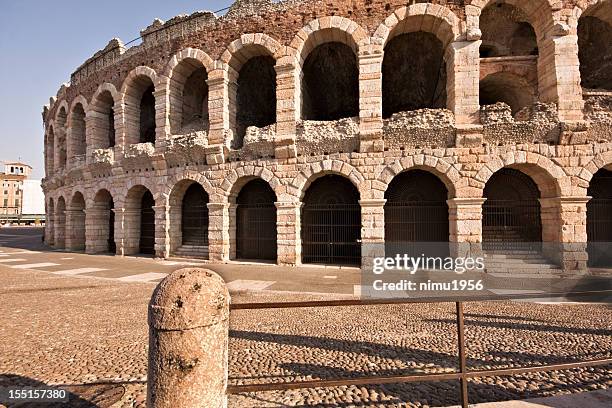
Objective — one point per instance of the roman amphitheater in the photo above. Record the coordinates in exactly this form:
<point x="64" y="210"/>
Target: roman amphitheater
<point x="320" y="131"/>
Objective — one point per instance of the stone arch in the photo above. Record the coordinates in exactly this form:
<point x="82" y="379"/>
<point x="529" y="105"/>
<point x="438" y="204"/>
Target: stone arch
<point x="237" y="178"/>
<point x="75" y="222"/>
<point x="600" y="161"/>
<point x="136" y="216"/>
<point x="549" y="177"/>
<point x="594" y="29"/>
<point x="61" y="121"/>
<point x="61" y="113"/>
<point x="540" y="13"/>
<point x="431" y="18"/>
<point x="188" y="175"/>
<point x="138" y="103"/>
<point x="310" y="173"/>
<point x="77" y="141"/>
<point x="50" y="149"/>
<point x="50" y="222"/>
<point x="187" y="71"/>
<point x="100" y="221"/>
<point x="440" y="168"/>
<point x="251" y="61"/>
<point x="101" y="133"/>
<point x="144" y="182"/>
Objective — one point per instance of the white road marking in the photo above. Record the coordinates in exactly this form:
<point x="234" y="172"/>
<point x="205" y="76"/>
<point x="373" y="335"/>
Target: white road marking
<point x="357" y="290"/>
<point x="25" y="252"/>
<point x="12" y="260"/>
<point x="65" y="259"/>
<point x="34" y="265"/>
<point x="143" y="277"/>
<point x="4" y="254"/>
<point x="249" y="285"/>
<point x="78" y="271"/>
<point x="330" y="277"/>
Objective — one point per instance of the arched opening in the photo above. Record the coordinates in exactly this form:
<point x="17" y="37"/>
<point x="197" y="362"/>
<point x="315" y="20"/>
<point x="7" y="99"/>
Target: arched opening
<point x="101" y="219"/>
<point x="140" y="110"/>
<point x="103" y="121"/>
<point x="189" y="97"/>
<point x="60" y="224"/>
<point x="511" y="213"/>
<point x="416" y="215"/>
<point x="330" y="83"/>
<point x="139" y="226"/>
<point x="599" y="219"/>
<point x="76" y="223"/>
<point x="331" y="222"/>
<point x="61" y="148"/>
<point x="413" y="73"/>
<point x="256" y="221"/>
<point x="595" y="47"/>
<point x="506" y="31"/>
<point x="77" y="131"/>
<point x="505" y="87"/>
<point x="50" y="151"/>
<point x="256" y="96"/>
<point x="189" y="212"/>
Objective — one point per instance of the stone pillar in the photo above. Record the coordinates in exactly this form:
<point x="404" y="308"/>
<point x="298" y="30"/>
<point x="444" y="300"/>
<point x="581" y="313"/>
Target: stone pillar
<point x="288" y="237"/>
<point x="370" y="100"/>
<point x="59" y="230"/>
<point x="131" y="231"/>
<point x="462" y="90"/>
<point x="96" y="230"/>
<point x="559" y="73"/>
<point x="218" y="232"/>
<point x="162" y="228"/>
<point x="188" y="341"/>
<point x="75" y="229"/>
<point x="49" y="229"/>
<point x="564" y="233"/>
<point x="465" y="226"/>
<point x="218" y="109"/>
<point x="120" y="230"/>
<point x="372" y="232"/>
<point x="162" y="124"/>
<point x="232" y="229"/>
<point x="287" y="109"/>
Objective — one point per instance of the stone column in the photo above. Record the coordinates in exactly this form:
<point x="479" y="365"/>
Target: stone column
<point x="232" y="229"/>
<point x="162" y="124"/>
<point x="188" y="341"/>
<point x="59" y="230"/>
<point x="49" y="228"/>
<point x="75" y="229"/>
<point x="564" y="233"/>
<point x="120" y="230"/>
<point x="96" y="230"/>
<point x="370" y="100"/>
<point x="372" y="232"/>
<point x="465" y="226"/>
<point x="288" y="237"/>
<point x="218" y="106"/>
<point x="462" y="89"/>
<point x="218" y="231"/>
<point x="162" y="228"/>
<point x="287" y="109"/>
<point x="131" y="231"/>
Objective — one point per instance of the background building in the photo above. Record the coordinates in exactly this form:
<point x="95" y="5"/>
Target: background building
<point x="21" y="199"/>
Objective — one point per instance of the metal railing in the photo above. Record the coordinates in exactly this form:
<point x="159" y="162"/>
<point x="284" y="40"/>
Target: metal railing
<point x="462" y="375"/>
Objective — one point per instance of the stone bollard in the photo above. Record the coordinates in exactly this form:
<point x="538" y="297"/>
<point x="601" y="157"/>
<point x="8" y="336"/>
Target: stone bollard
<point x="188" y="340"/>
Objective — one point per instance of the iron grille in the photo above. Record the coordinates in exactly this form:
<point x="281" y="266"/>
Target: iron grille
<point x="331" y="233"/>
<point x="147" y="224"/>
<point x="112" y="247"/>
<point x="599" y="231"/>
<point x="512" y="224"/>
<point x="256" y="231"/>
<point x="194" y="217"/>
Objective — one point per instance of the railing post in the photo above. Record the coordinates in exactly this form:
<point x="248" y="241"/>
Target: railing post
<point x="188" y="340"/>
<point x="462" y="357"/>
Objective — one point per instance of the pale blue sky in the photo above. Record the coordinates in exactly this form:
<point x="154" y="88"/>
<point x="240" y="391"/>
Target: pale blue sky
<point x="41" y="44"/>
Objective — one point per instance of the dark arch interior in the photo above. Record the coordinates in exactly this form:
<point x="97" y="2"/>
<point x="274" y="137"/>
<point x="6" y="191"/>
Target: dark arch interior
<point x="331" y="222"/>
<point x="194" y="216"/>
<point x="78" y="130"/>
<point x="414" y="73"/>
<point x="416" y="215"/>
<point x="330" y="85"/>
<point x="256" y="96"/>
<point x="506" y="31"/>
<point x="256" y="221"/>
<point x="507" y="88"/>
<point x="147" y="224"/>
<point x="595" y="53"/>
<point x="147" y="116"/>
<point x="195" y="100"/>
<point x="599" y="219"/>
<point x="511" y="212"/>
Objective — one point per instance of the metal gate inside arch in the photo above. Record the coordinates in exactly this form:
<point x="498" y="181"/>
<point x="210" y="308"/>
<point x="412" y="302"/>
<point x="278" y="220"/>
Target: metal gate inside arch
<point x="599" y="219"/>
<point x="416" y="215"/>
<point x="194" y="217"/>
<point x="256" y="222"/>
<point x="511" y="213"/>
<point x="147" y="224"/>
<point x="331" y="222"/>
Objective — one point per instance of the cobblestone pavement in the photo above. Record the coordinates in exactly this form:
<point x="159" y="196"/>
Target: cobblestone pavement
<point x="66" y="330"/>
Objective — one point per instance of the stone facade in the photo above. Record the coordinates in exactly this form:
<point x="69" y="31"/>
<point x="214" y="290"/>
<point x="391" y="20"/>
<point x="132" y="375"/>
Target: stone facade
<point x="96" y="160"/>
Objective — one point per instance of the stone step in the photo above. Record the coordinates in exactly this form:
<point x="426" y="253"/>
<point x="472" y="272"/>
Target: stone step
<point x="192" y="251"/>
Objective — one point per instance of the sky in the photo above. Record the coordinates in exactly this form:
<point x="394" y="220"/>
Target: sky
<point x="42" y="42"/>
